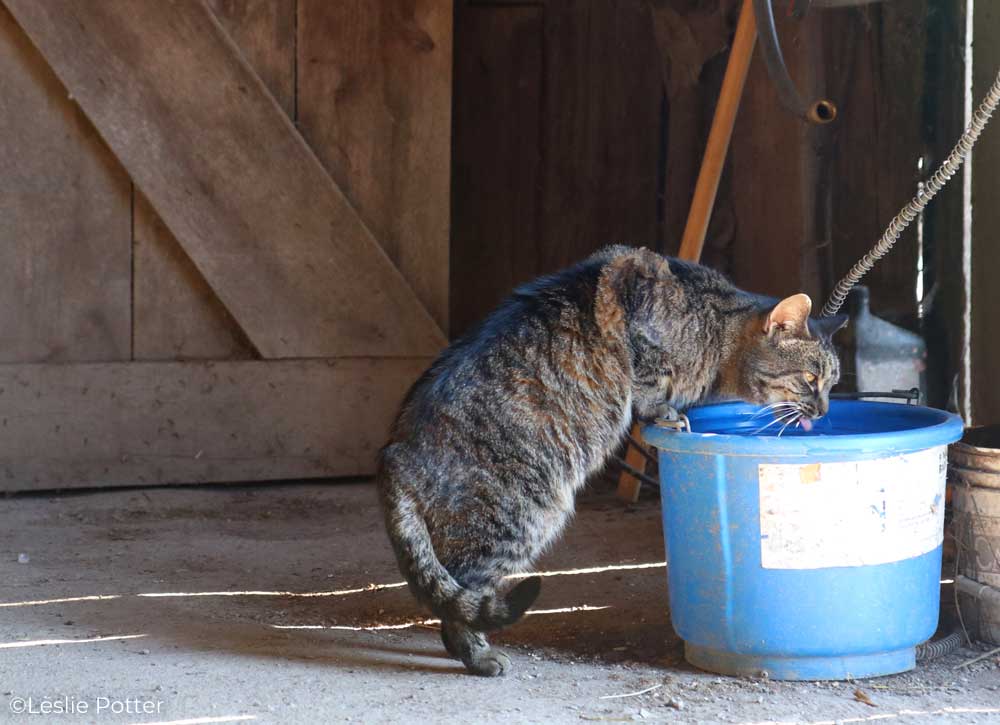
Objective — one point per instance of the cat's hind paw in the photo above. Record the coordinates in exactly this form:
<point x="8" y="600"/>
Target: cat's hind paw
<point x="492" y="663"/>
<point x="473" y="648"/>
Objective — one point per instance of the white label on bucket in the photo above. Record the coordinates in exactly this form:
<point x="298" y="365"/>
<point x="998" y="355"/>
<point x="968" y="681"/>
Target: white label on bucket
<point x="852" y="513"/>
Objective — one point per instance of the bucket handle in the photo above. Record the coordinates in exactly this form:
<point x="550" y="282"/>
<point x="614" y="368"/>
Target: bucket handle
<point x="681" y="424"/>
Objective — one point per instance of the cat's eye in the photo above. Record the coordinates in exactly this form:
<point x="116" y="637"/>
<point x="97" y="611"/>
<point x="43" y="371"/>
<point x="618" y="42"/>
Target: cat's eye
<point x="810" y="378"/>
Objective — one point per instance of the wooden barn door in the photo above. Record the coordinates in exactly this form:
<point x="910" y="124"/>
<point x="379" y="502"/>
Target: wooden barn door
<point x="224" y="234"/>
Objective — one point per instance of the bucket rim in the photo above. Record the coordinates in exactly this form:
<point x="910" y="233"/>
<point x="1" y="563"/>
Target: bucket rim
<point x="939" y="428"/>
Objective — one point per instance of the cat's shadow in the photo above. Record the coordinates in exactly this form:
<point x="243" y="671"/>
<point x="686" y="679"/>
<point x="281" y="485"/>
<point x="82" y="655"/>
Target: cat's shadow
<point x="175" y="625"/>
<point x="302" y="634"/>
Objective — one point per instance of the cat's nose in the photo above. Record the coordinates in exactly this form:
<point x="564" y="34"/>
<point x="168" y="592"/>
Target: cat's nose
<point x="823" y="406"/>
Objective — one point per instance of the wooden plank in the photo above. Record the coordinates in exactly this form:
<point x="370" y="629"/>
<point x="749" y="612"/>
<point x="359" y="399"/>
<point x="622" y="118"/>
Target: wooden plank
<point x="984" y="341"/>
<point x="126" y="424"/>
<point x="692" y="49"/>
<point x="497" y="163"/>
<point x="879" y="139"/>
<point x="374" y="102"/>
<point x="602" y="134"/>
<point x="596" y="109"/>
<point x="772" y="176"/>
<point x="717" y="147"/>
<point x="944" y="278"/>
<point x="64" y="220"/>
<point x="709" y="175"/>
<point x="176" y="315"/>
<point x="264" y="31"/>
<point x="899" y="139"/>
<point x="629" y="487"/>
<point x="225" y="169"/>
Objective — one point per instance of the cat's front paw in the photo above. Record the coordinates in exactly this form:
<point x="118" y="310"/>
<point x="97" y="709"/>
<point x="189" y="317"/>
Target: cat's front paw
<point x="665" y="411"/>
<point x="656" y="411"/>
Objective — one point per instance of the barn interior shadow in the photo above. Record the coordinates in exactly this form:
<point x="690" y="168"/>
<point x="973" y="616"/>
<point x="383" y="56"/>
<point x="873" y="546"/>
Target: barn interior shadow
<point x="622" y="619"/>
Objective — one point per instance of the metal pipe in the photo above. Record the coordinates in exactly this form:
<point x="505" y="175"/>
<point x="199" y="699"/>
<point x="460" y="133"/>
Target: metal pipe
<point x="819" y="112"/>
<point x="978" y="590"/>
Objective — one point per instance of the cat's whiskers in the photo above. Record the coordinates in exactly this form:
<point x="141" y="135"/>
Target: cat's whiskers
<point x="794" y="420"/>
<point x="786" y="415"/>
<point x="797" y="420"/>
<point x="772" y="407"/>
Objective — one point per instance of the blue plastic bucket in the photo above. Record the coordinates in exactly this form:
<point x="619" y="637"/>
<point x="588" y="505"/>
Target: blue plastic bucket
<point x="809" y="556"/>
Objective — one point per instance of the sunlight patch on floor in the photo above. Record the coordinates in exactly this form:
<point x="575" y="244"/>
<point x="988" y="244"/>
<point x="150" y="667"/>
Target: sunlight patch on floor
<point x="591" y="570"/>
<point x="275" y="593"/>
<point x="61" y="600"/>
<point x="883" y="716"/>
<point x="366" y="628"/>
<point x="310" y="595"/>
<point x="427" y="622"/>
<point x="566" y="610"/>
<point x="43" y="642"/>
<point x="203" y="720"/>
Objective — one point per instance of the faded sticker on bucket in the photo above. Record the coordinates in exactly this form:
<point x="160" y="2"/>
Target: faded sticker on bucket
<point x="851" y="513"/>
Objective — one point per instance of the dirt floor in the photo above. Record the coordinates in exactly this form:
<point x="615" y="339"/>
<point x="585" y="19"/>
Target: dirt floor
<point x="282" y="604"/>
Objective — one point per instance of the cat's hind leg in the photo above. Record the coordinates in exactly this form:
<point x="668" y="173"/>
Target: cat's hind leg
<point x="474" y="650"/>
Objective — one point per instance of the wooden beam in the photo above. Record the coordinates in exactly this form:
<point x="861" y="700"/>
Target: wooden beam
<point x="984" y="343"/>
<point x="127" y="424"/>
<point x="879" y="137"/>
<point x="602" y="134"/>
<point x="230" y="176"/>
<point x="705" y="191"/>
<point x="374" y="103"/>
<point x="65" y="277"/>
<point x="772" y="167"/>
<point x="718" y="138"/>
<point x="264" y="31"/>
<point x="175" y="313"/>
<point x="944" y="122"/>
<point x="497" y="146"/>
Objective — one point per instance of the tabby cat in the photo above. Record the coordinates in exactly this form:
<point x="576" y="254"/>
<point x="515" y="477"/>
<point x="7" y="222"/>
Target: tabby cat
<point x="497" y="437"/>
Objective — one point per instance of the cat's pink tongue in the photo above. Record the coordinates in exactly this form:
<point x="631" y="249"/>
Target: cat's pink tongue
<point x="807" y="425"/>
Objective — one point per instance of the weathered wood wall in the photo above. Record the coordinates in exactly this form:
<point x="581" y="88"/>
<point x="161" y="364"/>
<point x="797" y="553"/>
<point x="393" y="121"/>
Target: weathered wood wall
<point x="270" y="181"/>
<point x="945" y="280"/>
<point x="559" y="139"/>
<point x="65" y="221"/>
<point x="582" y="124"/>
<point x="278" y="180"/>
<point x="984" y="340"/>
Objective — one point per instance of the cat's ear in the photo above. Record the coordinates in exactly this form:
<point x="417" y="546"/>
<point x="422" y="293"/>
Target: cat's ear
<point x="638" y="264"/>
<point x="626" y="282"/>
<point x="826" y="327"/>
<point x="790" y="315"/>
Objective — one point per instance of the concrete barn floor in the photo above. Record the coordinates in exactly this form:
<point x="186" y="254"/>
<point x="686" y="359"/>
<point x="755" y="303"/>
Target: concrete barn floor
<point x="228" y="604"/>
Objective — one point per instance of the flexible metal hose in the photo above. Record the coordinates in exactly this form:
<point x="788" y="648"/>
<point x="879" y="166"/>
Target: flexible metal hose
<point x="945" y="646"/>
<point x="930" y="189"/>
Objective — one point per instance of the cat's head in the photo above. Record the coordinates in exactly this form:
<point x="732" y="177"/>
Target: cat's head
<point x="790" y="362"/>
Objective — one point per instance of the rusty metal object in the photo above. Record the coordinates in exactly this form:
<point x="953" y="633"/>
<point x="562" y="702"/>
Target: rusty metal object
<point x="974" y="474"/>
<point x="975" y="460"/>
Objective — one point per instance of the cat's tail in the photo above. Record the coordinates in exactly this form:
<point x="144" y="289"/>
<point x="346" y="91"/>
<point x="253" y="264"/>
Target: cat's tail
<point x="433" y="585"/>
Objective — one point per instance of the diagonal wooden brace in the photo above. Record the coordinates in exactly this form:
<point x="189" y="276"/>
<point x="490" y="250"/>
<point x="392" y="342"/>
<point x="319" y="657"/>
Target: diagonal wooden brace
<point x="231" y="177"/>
